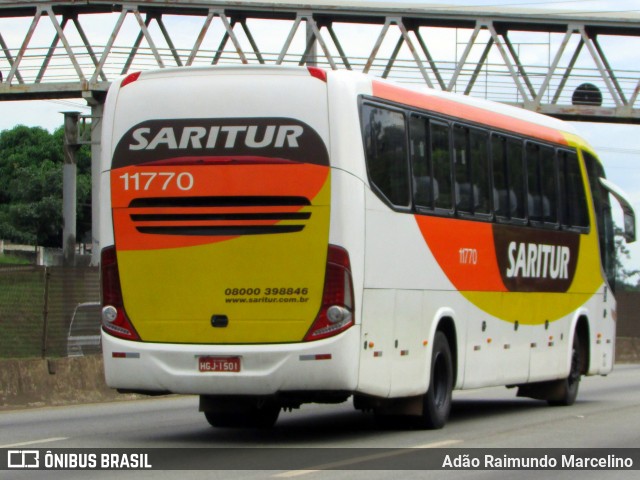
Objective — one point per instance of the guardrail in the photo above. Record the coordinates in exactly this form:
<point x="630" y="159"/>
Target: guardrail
<point x="51" y="312"/>
<point x="38" y="304"/>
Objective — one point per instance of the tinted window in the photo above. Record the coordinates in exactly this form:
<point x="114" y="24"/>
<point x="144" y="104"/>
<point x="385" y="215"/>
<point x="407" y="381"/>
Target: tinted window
<point x="516" y="179"/>
<point x="424" y="160"/>
<point x="462" y="169"/>
<point x="423" y="185"/>
<point x="471" y="161"/>
<point x="542" y="183"/>
<point x="574" y="199"/>
<point x="501" y="197"/>
<point x="549" y="184"/>
<point x="534" y="194"/>
<point x="602" y="205"/>
<point x="441" y="161"/>
<point x="386" y="153"/>
<point x="479" y="146"/>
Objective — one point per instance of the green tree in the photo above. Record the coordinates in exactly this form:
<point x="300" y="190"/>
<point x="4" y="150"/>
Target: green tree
<point x="31" y="161"/>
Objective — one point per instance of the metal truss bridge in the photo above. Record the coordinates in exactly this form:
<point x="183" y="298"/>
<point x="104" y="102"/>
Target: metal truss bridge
<point x="573" y="66"/>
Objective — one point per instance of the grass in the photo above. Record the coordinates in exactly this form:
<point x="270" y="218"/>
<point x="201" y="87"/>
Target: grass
<point x="11" y="260"/>
<point x="21" y="313"/>
<point x="22" y="305"/>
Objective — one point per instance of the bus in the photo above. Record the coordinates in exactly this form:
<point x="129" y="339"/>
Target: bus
<point x="276" y="236"/>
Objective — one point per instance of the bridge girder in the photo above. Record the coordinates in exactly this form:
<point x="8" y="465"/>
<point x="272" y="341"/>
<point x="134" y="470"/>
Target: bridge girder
<point x="533" y="59"/>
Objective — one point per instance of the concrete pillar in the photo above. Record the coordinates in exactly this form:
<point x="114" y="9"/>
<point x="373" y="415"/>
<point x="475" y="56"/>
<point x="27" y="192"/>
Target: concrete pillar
<point x="69" y="196"/>
<point x="97" y="109"/>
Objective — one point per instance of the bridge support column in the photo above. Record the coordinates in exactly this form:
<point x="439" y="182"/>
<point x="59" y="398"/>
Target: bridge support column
<point x="97" y="109"/>
<point x="69" y="197"/>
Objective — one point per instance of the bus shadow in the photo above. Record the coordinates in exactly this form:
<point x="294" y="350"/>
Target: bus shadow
<point x="295" y="430"/>
<point x="470" y="409"/>
<point x="319" y="427"/>
<point x="474" y="408"/>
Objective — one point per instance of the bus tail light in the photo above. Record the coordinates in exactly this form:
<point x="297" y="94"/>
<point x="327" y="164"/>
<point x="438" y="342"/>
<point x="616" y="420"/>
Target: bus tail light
<point x="318" y="73"/>
<point x="132" y="77"/>
<point x="114" y="318"/>
<point x="336" y="312"/>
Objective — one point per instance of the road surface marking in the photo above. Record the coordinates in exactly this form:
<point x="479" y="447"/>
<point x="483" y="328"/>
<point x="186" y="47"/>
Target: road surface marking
<point x="35" y="442"/>
<point x="375" y="456"/>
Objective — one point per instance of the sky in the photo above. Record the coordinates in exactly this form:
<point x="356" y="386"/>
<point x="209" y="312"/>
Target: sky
<point x="617" y="145"/>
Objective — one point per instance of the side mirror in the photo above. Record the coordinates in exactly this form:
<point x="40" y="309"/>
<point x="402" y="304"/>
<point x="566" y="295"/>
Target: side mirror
<point x="627" y="210"/>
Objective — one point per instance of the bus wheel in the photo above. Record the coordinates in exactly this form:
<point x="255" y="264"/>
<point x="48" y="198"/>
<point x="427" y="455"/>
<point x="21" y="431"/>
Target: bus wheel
<point x="568" y="388"/>
<point x="437" y="400"/>
<point x="261" y="415"/>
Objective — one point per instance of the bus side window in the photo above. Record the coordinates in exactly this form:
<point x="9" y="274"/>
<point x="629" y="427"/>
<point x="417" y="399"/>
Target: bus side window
<point x="471" y="161"/>
<point x="542" y="183"/>
<point x="386" y="153"/>
<point x="440" y="155"/>
<point x="501" y="200"/>
<point x="602" y="206"/>
<point x="516" y="179"/>
<point x="461" y="161"/>
<point x="549" y="182"/>
<point x="534" y="196"/>
<point x="479" y="146"/>
<point x="425" y="189"/>
<point x="574" y="202"/>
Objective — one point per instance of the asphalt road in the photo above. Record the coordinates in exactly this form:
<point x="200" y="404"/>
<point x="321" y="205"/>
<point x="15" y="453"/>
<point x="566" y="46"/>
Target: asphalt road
<point x="606" y="415"/>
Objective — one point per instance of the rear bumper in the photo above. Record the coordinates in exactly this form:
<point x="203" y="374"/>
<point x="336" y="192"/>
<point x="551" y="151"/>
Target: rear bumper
<point x="324" y="365"/>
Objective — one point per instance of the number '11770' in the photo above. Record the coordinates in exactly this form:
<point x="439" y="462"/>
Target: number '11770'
<point x="468" y="256"/>
<point x="154" y="180"/>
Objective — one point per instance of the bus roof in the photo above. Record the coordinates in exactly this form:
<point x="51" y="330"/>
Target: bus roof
<point x="499" y="115"/>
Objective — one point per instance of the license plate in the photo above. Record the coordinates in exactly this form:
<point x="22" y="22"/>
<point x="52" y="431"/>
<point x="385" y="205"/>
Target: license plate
<point x="219" y="364"/>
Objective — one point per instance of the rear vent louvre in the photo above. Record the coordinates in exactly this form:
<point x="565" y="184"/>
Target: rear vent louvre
<point x="222" y="230"/>
<point x="176" y="217"/>
<point x="248" y="201"/>
<point x="219" y="216"/>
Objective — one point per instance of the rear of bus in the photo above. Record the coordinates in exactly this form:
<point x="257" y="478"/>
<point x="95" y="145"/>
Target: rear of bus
<point x="219" y="278"/>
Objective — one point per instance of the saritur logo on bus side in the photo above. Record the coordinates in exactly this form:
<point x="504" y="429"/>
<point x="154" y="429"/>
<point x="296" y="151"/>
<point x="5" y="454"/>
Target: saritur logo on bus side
<point x="536" y="260"/>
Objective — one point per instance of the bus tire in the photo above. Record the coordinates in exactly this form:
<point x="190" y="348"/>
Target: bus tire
<point x="567" y="388"/>
<point x="262" y="415"/>
<point x="437" y="401"/>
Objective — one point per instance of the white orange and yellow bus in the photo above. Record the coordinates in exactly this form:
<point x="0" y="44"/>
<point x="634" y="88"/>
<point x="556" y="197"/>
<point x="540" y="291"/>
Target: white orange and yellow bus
<point x="276" y="236"/>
